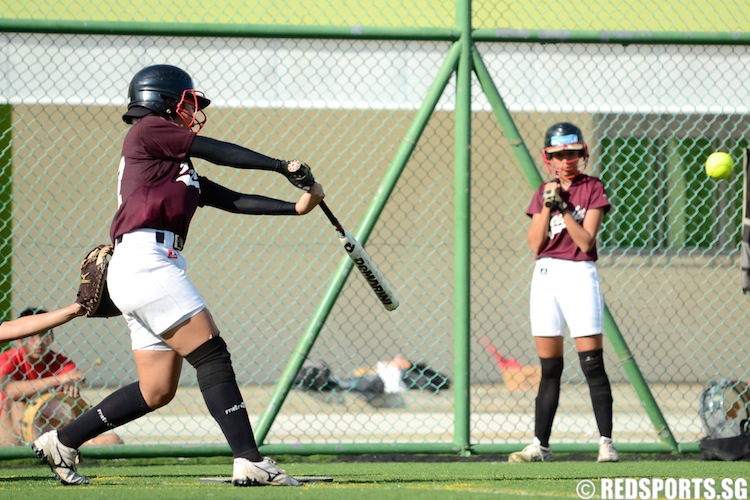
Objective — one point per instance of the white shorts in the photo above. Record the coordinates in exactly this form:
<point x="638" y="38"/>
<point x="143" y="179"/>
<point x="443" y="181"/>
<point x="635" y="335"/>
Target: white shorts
<point x="566" y="293"/>
<point x="148" y="282"/>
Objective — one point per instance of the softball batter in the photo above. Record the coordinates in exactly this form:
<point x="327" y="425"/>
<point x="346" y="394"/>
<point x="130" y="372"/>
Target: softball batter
<point x="158" y="194"/>
<point x="566" y="215"/>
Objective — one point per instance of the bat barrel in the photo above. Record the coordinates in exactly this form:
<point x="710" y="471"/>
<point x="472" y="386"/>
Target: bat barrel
<point x="370" y="271"/>
<point x="364" y="263"/>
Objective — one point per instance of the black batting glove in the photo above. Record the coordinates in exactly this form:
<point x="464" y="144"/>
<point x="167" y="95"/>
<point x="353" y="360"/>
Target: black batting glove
<point x="298" y="173"/>
<point x="561" y="205"/>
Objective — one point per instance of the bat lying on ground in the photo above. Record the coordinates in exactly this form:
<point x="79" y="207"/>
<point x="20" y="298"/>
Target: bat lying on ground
<point x="364" y="263"/>
<point x="517" y="377"/>
<point x="502" y="362"/>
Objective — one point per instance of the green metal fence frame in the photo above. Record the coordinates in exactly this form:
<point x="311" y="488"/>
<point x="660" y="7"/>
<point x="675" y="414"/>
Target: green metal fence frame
<point x="6" y="210"/>
<point x="463" y="59"/>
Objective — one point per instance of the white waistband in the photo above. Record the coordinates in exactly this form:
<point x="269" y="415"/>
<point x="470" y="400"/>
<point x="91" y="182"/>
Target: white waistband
<point x="153" y="236"/>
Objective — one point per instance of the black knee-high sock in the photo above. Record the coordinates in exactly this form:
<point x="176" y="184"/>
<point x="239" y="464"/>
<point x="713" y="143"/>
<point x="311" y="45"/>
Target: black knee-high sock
<point x="592" y="365"/>
<point x="122" y="406"/>
<point x="218" y="385"/>
<point x="547" y="398"/>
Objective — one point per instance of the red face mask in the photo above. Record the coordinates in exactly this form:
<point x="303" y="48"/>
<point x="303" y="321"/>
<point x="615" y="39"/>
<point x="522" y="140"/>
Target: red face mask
<point x="563" y="161"/>
<point x="188" y="109"/>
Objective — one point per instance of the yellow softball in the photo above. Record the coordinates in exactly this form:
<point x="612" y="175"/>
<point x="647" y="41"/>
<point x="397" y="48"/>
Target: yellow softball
<point x="719" y="165"/>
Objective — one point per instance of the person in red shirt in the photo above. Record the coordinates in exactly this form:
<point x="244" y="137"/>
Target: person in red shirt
<point x="566" y="215"/>
<point x="29" y="370"/>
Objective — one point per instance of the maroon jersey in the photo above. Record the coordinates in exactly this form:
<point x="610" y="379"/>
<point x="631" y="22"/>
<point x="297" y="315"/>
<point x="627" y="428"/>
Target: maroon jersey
<point x="157" y="187"/>
<point x="585" y="193"/>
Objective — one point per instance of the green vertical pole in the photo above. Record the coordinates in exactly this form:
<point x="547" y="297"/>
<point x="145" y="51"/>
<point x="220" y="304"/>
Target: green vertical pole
<point x="678" y="189"/>
<point x="6" y="211"/>
<point x="462" y="235"/>
<point x="304" y="346"/>
<point x="610" y="326"/>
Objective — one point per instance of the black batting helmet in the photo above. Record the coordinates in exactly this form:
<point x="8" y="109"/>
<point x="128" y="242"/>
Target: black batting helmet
<point x="163" y="89"/>
<point x="564" y="136"/>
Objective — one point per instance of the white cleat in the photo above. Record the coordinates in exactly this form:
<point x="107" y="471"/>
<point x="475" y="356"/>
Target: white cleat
<point x="60" y="458"/>
<point x="534" y="452"/>
<point x="264" y="473"/>
<point x="607" y="450"/>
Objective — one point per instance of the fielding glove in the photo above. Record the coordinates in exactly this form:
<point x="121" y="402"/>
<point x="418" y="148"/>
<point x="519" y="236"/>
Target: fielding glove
<point x="92" y="290"/>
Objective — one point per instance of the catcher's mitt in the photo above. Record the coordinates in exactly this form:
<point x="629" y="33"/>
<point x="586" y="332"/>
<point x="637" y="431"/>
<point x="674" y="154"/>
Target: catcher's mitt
<point x="92" y="291"/>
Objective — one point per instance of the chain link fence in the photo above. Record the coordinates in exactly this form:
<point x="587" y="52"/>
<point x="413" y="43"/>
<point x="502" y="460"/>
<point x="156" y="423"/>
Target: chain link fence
<point x="341" y="86"/>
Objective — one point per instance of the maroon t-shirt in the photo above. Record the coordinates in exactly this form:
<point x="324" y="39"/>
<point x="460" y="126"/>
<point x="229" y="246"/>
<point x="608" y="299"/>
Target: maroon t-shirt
<point x="157" y="185"/>
<point x="585" y="192"/>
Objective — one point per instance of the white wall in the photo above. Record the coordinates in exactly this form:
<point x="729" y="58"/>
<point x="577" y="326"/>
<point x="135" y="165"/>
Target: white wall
<point x="66" y="69"/>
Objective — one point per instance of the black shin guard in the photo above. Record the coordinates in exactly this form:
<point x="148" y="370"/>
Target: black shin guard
<point x="592" y="365"/>
<point x="218" y="385"/>
<point x="122" y="406"/>
<point x="547" y="398"/>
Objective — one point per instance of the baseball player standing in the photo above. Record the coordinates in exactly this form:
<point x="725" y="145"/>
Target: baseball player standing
<point x="566" y="215"/>
<point x="158" y="194"/>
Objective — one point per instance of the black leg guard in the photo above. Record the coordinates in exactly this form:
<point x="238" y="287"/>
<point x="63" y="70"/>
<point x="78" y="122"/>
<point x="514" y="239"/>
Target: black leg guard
<point x="592" y="365"/>
<point x="212" y="363"/>
<point x="547" y="398"/>
<point x="218" y="385"/>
